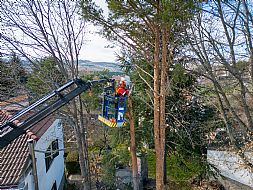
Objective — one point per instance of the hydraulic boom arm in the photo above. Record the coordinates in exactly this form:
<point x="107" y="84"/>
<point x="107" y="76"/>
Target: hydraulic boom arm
<point x="10" y="131"/>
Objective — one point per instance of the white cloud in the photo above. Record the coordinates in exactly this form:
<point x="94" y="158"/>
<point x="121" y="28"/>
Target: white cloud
<point x="97" y="48"/>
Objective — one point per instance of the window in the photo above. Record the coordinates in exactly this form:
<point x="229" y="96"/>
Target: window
<point x="51" y="153"/>
<point x="54" y="187"/>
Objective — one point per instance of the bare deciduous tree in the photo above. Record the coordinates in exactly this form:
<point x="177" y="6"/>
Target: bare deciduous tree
<point x="220" y="41"/>
<point x="50" y="28"/>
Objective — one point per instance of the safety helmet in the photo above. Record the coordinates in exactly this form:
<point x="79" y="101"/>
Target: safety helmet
<point x="122" y="82"/>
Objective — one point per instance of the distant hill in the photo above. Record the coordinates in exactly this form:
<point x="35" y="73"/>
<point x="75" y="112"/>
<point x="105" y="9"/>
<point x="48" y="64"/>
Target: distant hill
<point x="89" y="66"/>
<point x="99" y="66"/>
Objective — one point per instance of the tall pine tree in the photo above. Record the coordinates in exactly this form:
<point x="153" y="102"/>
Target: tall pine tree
<point x="150" y="30"/>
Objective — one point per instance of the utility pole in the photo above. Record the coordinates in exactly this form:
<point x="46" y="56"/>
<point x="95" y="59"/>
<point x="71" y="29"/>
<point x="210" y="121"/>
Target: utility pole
<point x="34" y="167"/>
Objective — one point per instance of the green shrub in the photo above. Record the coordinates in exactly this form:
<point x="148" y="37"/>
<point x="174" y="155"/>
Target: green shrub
<point x="108" y="168"/>
<point x="179" y="167"/>
<point x="72" y="163"/>
<point x="68" y="186"/>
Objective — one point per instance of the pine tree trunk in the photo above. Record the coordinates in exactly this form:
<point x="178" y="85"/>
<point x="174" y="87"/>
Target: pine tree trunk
<point x="133" y="146"/>
<point x="163" y="87"/>
<point x="157" y="125"/>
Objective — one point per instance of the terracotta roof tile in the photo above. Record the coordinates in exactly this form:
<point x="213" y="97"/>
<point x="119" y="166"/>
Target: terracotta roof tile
<point x="14" y="156"/>
<point x="14" y="100"/>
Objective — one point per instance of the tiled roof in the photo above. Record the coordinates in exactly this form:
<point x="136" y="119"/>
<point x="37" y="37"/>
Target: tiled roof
<point x="15" y="103"/>
<point x="18" y="99"/>
<point x="13" y="158"/>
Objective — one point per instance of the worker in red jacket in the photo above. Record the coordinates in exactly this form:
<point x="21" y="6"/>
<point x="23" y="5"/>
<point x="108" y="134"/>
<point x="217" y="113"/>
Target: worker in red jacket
<point x="122" y="90"/>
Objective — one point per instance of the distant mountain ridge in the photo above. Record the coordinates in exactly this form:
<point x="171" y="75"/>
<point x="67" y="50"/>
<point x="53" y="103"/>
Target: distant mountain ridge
<point x="89" y="65"/>
<point x="99" y="66"/>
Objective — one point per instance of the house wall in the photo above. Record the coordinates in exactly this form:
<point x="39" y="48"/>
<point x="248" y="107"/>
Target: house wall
<point x="231" y="165"/>
<point x="56" y="170"/>
<point x="28" y="183"/>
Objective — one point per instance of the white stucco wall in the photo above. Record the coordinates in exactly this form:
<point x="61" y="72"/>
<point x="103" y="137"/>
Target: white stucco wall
<point x="56" y="170"/>
<point x="231" y="165"/>
<point x="29" y="180"/>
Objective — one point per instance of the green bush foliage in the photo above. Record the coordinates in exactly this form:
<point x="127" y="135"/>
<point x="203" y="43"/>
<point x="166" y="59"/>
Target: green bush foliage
<point x="72" y="163"/>
<point x="180" y="168"/>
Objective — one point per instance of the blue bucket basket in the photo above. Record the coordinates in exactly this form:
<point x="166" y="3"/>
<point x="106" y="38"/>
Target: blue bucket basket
<point x="113" y="111"/>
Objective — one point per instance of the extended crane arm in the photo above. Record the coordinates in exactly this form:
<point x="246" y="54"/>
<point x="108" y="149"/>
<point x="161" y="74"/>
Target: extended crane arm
<point x="10" y="131"/>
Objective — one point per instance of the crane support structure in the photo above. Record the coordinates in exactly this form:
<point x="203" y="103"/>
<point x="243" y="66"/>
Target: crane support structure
<point x="50" y="103"/>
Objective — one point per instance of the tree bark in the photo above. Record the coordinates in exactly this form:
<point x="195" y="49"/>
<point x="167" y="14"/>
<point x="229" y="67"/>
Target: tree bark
<point x="83" y="126"/>
<point x="82" y="146"/>
<point x="133" y="146"/>
<point x="157" y="125"/>
<point x="163" y="88"/>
